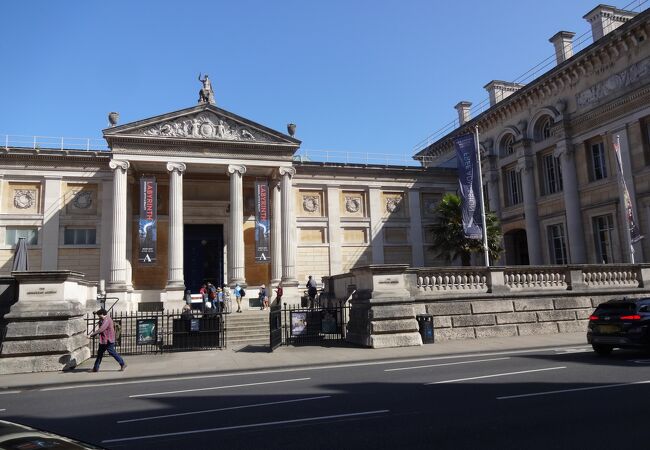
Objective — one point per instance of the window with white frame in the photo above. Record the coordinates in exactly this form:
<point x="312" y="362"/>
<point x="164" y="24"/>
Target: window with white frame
<point x="598" y="166"/>
<point x="603" y="232"/>
<point x="514" y="192"/>
<point x="79" y="236"/>
<point x="12" y="234"/>
<point x="543" y="129"/>
<point x="552" y="174"/>
<point x="557" y="244"/>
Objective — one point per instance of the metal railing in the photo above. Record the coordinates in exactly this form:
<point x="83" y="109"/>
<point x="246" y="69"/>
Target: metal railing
<point x="323" y="325"/>
<point x="162" y="331"/>
<point x="53" y="143"/>
<point x="350" y="157"/>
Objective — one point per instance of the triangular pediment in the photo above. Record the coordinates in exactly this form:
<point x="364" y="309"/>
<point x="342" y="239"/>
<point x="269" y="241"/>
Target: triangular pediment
<point x="201" y="123"/>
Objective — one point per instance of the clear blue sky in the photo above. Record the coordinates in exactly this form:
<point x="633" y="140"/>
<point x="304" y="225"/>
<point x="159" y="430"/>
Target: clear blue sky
<point x="366" y="75"/>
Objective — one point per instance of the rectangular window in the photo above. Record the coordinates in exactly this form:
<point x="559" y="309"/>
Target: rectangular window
<point x="12" y="234"/>
<point x="79" y="236"/>
<point x="603" y="232"/>
<point x="557" y="244"/>
<point x="598" y="161"/>
<point x="552" y="174"/>
<point x="514" y="192"/>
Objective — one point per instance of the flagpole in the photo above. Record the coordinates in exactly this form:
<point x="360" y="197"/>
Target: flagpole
<point x="480" y="184"/>
<point x="622" y="175"/>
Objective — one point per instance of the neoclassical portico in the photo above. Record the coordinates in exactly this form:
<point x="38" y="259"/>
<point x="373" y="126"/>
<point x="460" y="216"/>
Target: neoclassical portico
<point x="206" y="150"/>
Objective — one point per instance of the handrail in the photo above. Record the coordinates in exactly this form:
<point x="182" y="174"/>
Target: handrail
<point x="54" y="143"/>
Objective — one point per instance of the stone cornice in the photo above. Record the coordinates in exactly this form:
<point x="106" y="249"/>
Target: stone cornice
<point x="597" y="55"/>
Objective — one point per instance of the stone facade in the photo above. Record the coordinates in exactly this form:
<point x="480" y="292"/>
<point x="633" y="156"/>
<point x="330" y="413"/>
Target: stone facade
<point x="550" y="172"/>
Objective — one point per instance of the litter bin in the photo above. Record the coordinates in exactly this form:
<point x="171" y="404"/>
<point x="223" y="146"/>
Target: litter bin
<point x="425" y="325"/>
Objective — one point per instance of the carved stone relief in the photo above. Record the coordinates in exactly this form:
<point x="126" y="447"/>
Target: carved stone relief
<point x="24" y="198"/>
<point x="205" y="125"/>
<point x="311" y="203"/>
<point x="83" y="200"/>
<point x="352" y="204"/>
<point x="614" y="83"/>
<point x="393" y="204"/>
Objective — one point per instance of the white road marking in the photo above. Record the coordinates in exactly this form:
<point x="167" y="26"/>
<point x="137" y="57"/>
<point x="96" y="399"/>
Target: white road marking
<point x="2" y="410"/>
<point x="639" y="361"/>
<point x="562" y="391"/>
<point x="445" y="364"/>
<point x="497" y="375"/>
<point x="9" y="392"/>
<point x="252" y="425"/>
<point x="224" y="409"/>
<point x="153" y="394"/>
<point x="572" y="350"/>
<point x="298" y="369"/>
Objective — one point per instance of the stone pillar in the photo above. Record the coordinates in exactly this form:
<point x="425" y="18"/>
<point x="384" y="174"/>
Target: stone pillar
<point x="526" y="167"/>
<point x="494" y="203"/>
<point x="236" y="245"/>
<point x="377" y="209"/>
<point x="276" y="233"/>
<point x="417" y="240"/>
<point x="105" y="231"/>
<point x="334" y="229"/>
<point x="289" y="243"/>
<point x="117" y="276"/>
<point x="50" y="233"/>
<point x="175" y="278"/>
<point x="575" y="231"/>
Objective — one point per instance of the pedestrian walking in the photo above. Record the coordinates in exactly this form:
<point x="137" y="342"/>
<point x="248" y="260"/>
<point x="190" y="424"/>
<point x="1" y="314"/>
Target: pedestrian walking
<point x="263" y="297"/>
<point x="212" y="295"/>
<point x="106" y="332"/>
<point x="238" y="293"/>
<point x="311" y="291"/>
<point x="278" y="293"/>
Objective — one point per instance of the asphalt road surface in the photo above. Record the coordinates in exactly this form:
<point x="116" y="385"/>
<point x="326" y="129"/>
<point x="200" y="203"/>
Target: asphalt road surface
<point x="555" y="398"/>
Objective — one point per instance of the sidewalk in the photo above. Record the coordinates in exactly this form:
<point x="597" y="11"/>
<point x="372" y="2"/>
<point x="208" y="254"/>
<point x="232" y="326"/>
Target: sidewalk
<point x="258" y="358"/>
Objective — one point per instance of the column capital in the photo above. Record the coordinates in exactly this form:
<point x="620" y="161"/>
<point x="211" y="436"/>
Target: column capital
<point x="290" y="171"/>
<point x="174" y="166"/>
<point x="563" y="148"/>
<point x="232" y="168"/>
<point x="119" y="164"/>
<point x="524" y="164"/>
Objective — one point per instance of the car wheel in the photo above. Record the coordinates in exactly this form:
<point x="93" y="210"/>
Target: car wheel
<point x="603" y="350"/>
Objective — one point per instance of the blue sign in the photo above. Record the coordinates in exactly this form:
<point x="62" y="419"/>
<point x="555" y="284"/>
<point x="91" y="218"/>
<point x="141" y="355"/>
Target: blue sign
<point x="468" y="180"/>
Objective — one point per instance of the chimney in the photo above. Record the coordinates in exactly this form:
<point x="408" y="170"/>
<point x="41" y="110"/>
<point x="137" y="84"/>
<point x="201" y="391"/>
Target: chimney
<point x="463" y="108"/>
<point x="499" y="90"/>
<point x="605" y="18"/>
<point x="563" y="43"/>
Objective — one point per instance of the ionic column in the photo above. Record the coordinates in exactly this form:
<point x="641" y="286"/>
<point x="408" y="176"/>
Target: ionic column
<point x="575" y="231"/>
<point x="236" y="245"/>
<point x="288" y="229"/>
<point x="117" y="276"/>
<point x="175" y="278"/>
<point x="276" y="233"/>
<point x="526" y="168"/>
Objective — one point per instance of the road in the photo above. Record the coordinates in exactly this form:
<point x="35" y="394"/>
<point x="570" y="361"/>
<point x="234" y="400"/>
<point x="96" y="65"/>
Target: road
<point x="554" y="398"/>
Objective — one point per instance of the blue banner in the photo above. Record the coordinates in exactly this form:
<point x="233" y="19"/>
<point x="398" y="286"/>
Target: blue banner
<point x="468" y="180"/>
<point x="262" y="222"/>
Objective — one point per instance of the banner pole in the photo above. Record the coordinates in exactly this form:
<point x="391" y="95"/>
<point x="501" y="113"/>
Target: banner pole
<point x="480" y="184"/>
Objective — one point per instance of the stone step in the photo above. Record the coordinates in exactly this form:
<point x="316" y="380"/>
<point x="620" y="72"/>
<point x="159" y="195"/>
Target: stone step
<point x="246" y="335"/>
<point x="245" y="342"/>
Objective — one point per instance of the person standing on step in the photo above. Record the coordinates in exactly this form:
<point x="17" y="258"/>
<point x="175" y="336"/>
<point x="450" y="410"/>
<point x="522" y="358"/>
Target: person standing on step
<point x="220" y="300"/>
<point x="238" y="293"/>
<point x="106" y="332"/>
<point x="227" y="299"/>
<point x="212" y="295"/>
<point x="263" y="297"/>
<point x="278" y="293"/>
<point x="311" y="292"/>
<point x="204" y="296"/>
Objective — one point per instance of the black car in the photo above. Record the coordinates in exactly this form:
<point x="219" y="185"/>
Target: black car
<point x="620" y="324"/>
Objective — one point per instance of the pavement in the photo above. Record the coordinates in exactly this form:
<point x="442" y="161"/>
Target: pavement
<point x="259" y="358"/>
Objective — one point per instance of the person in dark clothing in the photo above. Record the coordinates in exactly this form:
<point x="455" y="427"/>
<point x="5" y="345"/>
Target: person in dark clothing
<point x="311" y="291"/>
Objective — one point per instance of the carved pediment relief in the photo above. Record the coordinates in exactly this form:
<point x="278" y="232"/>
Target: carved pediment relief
<point x="204" y="125"/>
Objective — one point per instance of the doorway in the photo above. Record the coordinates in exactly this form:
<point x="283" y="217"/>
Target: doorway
<point x="516" y="246"/>
<point x="203" y="256"/>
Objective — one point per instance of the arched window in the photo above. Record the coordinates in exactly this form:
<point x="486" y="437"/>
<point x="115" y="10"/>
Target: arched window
<point x="507" y="145"/>
<point x="543" y="128"/>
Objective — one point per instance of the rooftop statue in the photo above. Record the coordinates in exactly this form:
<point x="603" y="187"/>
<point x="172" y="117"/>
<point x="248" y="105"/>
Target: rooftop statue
<point x="206" y="94"/>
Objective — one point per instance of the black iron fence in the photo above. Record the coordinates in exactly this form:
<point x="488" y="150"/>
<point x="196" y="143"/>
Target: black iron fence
<point x="142" y="332"/>
<point x="323" y="325"/>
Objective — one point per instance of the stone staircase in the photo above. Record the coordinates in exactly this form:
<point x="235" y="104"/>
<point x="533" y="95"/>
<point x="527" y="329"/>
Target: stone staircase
<point x="247" y="328"/>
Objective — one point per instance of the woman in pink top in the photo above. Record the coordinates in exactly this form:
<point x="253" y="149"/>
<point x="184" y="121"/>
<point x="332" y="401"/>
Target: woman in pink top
<point x="106" y="332"/>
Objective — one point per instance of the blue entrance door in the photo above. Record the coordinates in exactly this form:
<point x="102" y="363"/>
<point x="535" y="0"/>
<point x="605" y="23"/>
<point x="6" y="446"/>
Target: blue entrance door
<point x="203" y="256"/>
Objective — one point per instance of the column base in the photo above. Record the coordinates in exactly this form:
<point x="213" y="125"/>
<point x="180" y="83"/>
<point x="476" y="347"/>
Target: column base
<point x="289" y="282"/>
<point x="174" y="298"/>
<point x="240" y="281"/>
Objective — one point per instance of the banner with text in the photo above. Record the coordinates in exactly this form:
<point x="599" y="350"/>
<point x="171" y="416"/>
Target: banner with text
<point x="262" y="223"/>
<point x="468" y="181"/>
<point x="148" y="217"/>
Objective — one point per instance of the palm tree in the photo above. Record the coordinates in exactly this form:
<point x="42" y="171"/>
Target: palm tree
<point x="448" y="239"/>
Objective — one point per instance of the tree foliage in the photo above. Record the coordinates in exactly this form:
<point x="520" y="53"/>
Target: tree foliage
<point x="450" y="243"/>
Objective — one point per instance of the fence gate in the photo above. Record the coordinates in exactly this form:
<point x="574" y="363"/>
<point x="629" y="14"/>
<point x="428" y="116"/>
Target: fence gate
<point x="275" y="327"/>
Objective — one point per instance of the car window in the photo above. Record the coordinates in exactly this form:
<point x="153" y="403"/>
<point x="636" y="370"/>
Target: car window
<point x="616" y="308"/>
